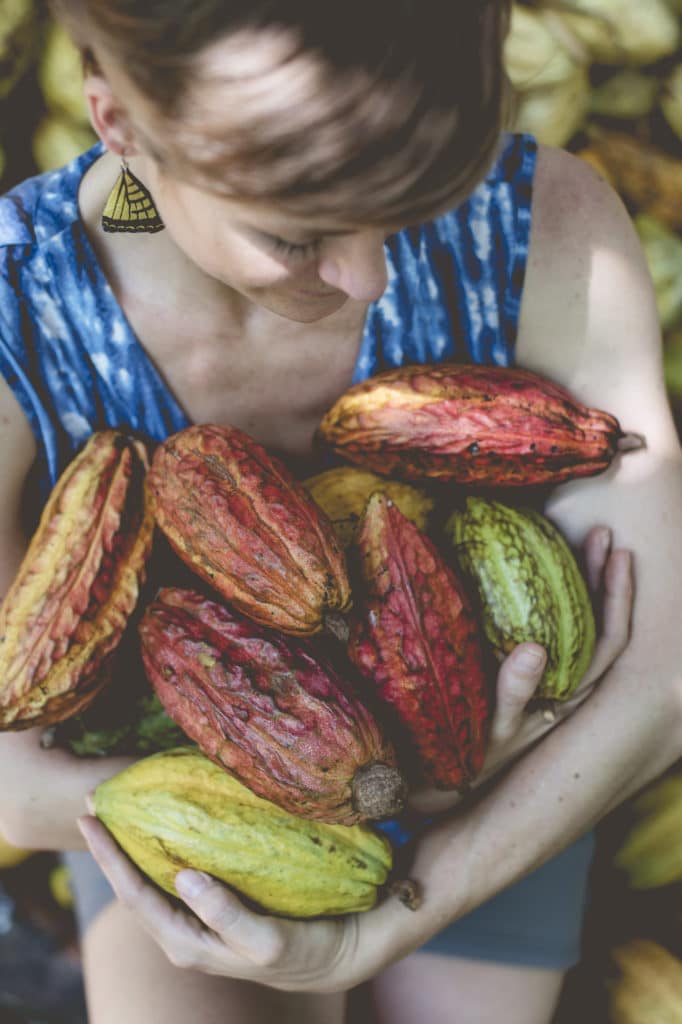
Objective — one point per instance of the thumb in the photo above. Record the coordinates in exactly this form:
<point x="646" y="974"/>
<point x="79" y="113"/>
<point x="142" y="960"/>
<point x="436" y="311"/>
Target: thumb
<point x="517" y="680"/>
<point x="253" y="936"/>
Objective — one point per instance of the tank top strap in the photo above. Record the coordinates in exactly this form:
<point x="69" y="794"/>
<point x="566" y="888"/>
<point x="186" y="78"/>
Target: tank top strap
<point x="455" y="283"/>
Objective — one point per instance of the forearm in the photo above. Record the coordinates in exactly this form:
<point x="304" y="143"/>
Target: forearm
<point x="620" y="739"/>
<point x="43" y="791"/>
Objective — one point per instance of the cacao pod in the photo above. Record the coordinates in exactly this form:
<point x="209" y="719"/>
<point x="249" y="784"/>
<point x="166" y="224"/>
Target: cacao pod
<point x="649" y="987"/>
<point x="485" y="425"/>
<point x="270" y="710"/>
<point x="240" y="520"/>
<point x="177" y="809"/>
<point x="651" y="854"/>
<point x="343" y="492"/>
<point x="77" y="586"/>
<point x="416" y="641"/>
<point x="529" y="585"/>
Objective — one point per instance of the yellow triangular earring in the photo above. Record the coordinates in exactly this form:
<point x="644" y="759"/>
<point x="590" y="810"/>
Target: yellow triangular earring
<point x="130" y="206"/>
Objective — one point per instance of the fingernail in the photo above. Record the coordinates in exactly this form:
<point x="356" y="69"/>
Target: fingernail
<point x="191" y="883"/>
<point x="90" y="801"/>
<point x="530" y="659"/>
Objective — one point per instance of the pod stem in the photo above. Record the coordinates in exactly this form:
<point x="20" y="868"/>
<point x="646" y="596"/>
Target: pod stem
<point x="407" y="891"/>
<point x="630" y="442"/>
<point x="337" y="626"/>
<point x="378" y="791"/>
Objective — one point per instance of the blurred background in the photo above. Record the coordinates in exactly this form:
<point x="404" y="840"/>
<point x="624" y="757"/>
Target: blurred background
<point x="602" y="78"/>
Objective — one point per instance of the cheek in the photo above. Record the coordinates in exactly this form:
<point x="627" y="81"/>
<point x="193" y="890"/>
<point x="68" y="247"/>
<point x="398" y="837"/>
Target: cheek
<point x="216" y="248"/>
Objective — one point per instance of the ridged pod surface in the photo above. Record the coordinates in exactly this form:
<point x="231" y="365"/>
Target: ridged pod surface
<point x="240" y="520"/>
<point x="343" y="492"/>
<point x="484" y="425"/>
<point x="77" y="585"/>
<point x="529" y="585"/>
<point x="178" y="809"/>
<point x="270" y="710"/>
<point x="416" y="641"/>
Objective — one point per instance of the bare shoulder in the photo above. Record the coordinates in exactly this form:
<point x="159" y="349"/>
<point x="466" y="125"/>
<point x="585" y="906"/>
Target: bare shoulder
<point x="588" y="300"/>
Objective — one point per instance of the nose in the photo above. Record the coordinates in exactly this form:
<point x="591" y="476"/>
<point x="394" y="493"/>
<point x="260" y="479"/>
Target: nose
<point x="355" y="264"/>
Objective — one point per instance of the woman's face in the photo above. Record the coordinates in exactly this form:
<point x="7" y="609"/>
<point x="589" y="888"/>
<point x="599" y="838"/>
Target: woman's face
<point x="294" y="267"/>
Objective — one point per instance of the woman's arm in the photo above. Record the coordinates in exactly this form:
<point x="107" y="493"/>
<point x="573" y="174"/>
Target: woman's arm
<point x="42" y="791"/>
<point x="589" y="321"/>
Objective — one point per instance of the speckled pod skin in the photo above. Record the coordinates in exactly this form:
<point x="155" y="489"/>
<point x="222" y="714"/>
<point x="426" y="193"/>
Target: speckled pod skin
<point x="244" y="525"/>
<point x="269" y="709"/>
<point x="178" y="810"/>
<point x="483" y="425"/>
<point x="529" y="585"/>
<point x="417" y="643"/>
<point x="77" y="585"/>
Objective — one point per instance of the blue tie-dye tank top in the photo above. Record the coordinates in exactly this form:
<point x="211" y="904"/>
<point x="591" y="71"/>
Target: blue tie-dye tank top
<point x="71" y="358"/>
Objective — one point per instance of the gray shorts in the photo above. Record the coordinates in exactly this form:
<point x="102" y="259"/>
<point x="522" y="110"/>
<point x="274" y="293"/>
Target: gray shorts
<point x="537" y="922"/>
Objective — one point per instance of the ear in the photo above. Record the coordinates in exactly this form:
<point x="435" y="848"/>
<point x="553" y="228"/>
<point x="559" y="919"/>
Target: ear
<point x="107" y="116"/>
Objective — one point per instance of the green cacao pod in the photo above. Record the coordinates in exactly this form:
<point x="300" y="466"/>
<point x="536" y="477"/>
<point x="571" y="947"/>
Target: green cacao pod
<point x="529" y="586"/>
<point x="177" y="809"/>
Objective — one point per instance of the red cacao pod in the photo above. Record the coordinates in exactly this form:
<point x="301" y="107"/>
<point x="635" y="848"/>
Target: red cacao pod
<point x="78" y="584"/>
<point x="484" y="425"/>
<point x="416" y="640"/>
<point x="239" y="519"/>
<point x="270" y="709"/>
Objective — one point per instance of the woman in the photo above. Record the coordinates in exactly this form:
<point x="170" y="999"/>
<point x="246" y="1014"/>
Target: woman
<point x="336" y="196"/>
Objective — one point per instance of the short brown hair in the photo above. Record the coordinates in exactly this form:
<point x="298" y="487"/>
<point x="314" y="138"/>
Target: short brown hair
<point x="373" y="109"/>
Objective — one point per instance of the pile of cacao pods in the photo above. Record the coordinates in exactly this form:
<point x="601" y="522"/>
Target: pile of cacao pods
<point x="329" y="644"/>
<point x="602" y="78"/>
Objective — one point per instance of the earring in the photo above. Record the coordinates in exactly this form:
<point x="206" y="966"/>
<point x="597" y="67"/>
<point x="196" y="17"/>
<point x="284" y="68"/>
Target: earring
<point x="130" y="206"/>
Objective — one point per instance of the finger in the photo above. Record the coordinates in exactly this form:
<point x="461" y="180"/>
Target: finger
<point x="596" y="550"/>
<point x="131" y="887"/>
<point x="616" y="614"/>
<point x="517" y="680"/>
<point x="258" y="938"/>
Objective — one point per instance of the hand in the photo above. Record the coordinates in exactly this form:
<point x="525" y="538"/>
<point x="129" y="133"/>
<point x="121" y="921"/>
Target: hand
<point x="514" y="728"/>
<point x="223" y="937"/>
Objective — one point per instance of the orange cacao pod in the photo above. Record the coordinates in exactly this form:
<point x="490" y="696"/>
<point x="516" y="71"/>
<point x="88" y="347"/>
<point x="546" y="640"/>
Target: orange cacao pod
<point x="270" y="709"/>
<point x="484" y="425"/>
<point x="240" y="520"/>
<point x="416" y="640"/>
<point x="77" y="586"/>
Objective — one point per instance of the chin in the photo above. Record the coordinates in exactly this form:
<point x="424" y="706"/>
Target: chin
<point x="307" y="312"/>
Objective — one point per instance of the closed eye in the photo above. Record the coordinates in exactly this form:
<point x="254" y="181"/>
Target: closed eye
<point x="293" y="250"/>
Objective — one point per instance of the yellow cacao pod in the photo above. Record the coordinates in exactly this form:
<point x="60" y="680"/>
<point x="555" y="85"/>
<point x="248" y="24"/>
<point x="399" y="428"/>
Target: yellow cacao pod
<point x="343" y="492"/>
<point x="11" y="856"/>
<point x="533" y="56"/>
<point x="555" y="113"/>
<point x="77" y="586"/>
<point x="178" y="809"/>
<point x="650" y="985"/>
<point x="651" y="854"/>
<point x="620" y="31"/>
